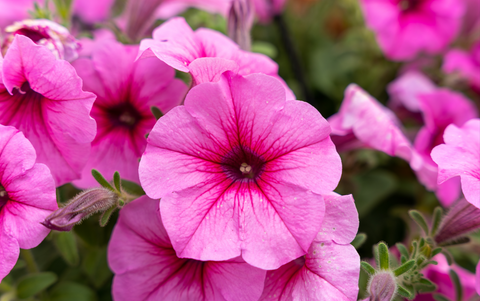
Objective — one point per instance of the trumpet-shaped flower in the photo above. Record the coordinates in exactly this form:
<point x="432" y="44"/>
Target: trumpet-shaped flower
<point x="331" y="268"/>
<point x="405" y="28"/>
<point x="42" y="97"/>
<point x="240" y="171"/>
<point x="460" y="156"/>
<point x="126" y="90"/>
<point x="147" y="268"/>
<point x="175" y="43"/>
<point x="27" y="196"/>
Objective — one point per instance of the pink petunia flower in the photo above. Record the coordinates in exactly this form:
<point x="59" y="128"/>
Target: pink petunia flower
<point x="331" y="268"/>
<point x="477" y="285"/>
<point x="405" y="28"/>
<point x="241" y="170"/>
<point x="404" y="91"/>
<point x="92" y="11"/>
<point x="438" y="274"/>
<point x="11" y="11"/>
<point x="147" y="268"/>
<point x="460" y="156"/>
<point x="46" y="33"/>
<point x="466" y="64"/>
<point x="267" y="9"/>
<point x="126" y="90"/>
<point x="43" y="97"/>
<point x="27" y="196"/>
<point x="175" y="43"/>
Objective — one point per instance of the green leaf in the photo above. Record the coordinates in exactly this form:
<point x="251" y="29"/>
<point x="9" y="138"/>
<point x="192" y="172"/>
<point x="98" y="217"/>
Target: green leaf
<point x="426" y="286"/>
<point x="132" y="188"/>
<point x="156" y="112"/>
<point x="436" y="251"/>
<point x="106" y="216"/>
<point x="404" y="292"/>
<point x="367" y="267"/>
<point x="448" y="256"/>
<point x="116" y="181"/>
<point x="70" y="291"/>
<point x="67" y="246"/>
<point x="101" y="180"/>
<point x="359" y="240"/>
<point x="439" y="297"/>
<point x="419" y="219"/>
<point x="456" y="283"/>
<point x="404" y="268"/>
<point x="383" y="256"/>
<point x="33" y="284"/>
<point x="265" y="48"/>
<point x="373" y="187"/>
<point x="402" y="249"/>
<point x="437" y="218"/>
<point x="96" y="267"/>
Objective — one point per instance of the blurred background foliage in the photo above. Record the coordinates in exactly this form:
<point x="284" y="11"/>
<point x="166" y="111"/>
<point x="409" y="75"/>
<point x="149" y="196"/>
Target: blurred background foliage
<point x="333" y="49"/>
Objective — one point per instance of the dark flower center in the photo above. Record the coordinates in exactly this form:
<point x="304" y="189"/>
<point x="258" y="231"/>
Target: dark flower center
<point x="125" y="115"/>
<point x="3" y="197"/>
<point x="409" y="5"/>
<point x="34" y="35"/>
<point x="242" y="163"/>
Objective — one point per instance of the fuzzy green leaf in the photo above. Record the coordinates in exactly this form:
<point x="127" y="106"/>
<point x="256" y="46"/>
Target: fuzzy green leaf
<point x="404" y="268"/>
<point x="367" y="267"/>
<point x="448" y="256"/>
<point x="106" y="216"/>
<point x="437" y="218"/>
<point x="439" y="297"/>
<point x="116" y="181"/>
<point x="101" y="180"/>
<point x="419" y="219"/>
<point x="404" y="293"/>
<point x="403" y="250"/>
<point x="383" y="256"/>
<point x="456" y="283"/>
<point x="436" y="251"/>
<point x="359" y="240"/>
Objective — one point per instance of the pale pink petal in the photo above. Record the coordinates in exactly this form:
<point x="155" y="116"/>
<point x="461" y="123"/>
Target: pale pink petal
<point x="9" y="250"/>
<point x="147" y="268"/>
<point x="405" y="89"/>
<point x="460" y="156"/>
<point x="466" y="64"/>
<point x="93" y="11"/>
<point x="328" y="272"/>
<point x="170" y="8"/>
<point x="206" y="70"/>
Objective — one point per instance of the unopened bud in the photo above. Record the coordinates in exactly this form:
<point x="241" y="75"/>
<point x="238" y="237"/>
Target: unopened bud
<point x="240" y="21"/>
<point x="382" y="286"/>
<point x="45" y="33"/>
<point x="461" y="219"/>
<point x="80" y="207"/>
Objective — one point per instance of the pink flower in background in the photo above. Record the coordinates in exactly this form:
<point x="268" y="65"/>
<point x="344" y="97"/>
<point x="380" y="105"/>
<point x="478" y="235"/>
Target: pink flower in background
<point x="11" y="11"/>
<point x="92" y="11"/>
<point x="460" y="156"/>
<point x="176" y="44"/>
<point x="146" y="266"/>
<point x="241" y="170"/>
<point x="405" y="90"/>
<point x="27" y="196"/>
<point x="331" y="268"/>
<point x="406" y="28"/>
<point x="45" y="33"/>
<point x="477" y="286"/>
<point x="267" y="9"/>
<point x="43" y="98"/>
<point x="438" y="274"/>
<point x="126" y="90"/>
<point x="466" y="64"/>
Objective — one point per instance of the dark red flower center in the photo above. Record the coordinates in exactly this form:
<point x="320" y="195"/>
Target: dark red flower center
<point x="3" y="197"/>
<point x="242" y="163"/>
<point x="34" y="34"/>
<point x="125" y="115"/>
<point x="409" y="5"/>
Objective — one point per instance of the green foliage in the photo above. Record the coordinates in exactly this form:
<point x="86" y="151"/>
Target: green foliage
<point x="67" y="247"/>
<point x="33" y="284"/>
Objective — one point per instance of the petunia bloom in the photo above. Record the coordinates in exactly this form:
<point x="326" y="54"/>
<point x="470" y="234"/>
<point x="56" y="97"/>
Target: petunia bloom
<point x="267" y="9"/>
<point x="242" y="170"/>
<point x="12" y="11"/>
<point x="439" y="275"/>
<point x="331" y="268"/>
<point x="460" y="156"/>
<point x="92" y="11"/>
<point x="46" y="33"/>
<point x="406" y="28"/>
<point x="147" y="268"/>
<point x="466" y="64"/>
<point x="42" y="97"/>
<point x="27" y="196"/>
<point x="175" y="43"/>
<point x="404" y="91"/>
<point x="126" y="90"/>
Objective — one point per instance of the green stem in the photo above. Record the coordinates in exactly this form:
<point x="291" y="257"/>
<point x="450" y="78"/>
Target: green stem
<point x="32" y="266"/>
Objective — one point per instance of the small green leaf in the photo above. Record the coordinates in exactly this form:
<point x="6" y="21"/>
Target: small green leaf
<point x="402" y="249"/>
<point x="132" y="188"/>
<point x="456" y="283"/>
<point x="116" y="181"/>
<point x="448" y="256"/>
<point x="404" y="292"/>
<point x="383" y="256"/>
<point x="419" y="219"/>
<point x="106" y="216"/>
<point x="67" y="246"/>
<point x="156" y="112"/>
<point x="436" y="251"/>
<point x="403" y="259"/>
<point x="367" y="267"/>
<point x="33" y="284"/>
<point x="70" y="291"/>
<point x="101" y="180"/>
<point x="415" y="249"/>
<point x="359" y="240"/>
<point x="426" y="286"/>
<point x="439" y="297"/>
<point x="437" y="218"/>
<point x="404" y="268"/>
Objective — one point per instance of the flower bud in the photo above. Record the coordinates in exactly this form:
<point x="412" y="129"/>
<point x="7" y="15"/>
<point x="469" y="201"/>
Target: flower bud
<point x="461" y="219"/>
<point x="240" y="20"/>
<point x="80" y="207"/>
<point x="382" y="286"/>
<point x="45" y="33"/>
